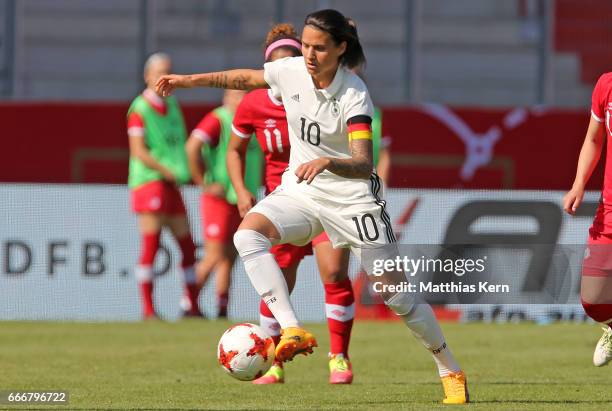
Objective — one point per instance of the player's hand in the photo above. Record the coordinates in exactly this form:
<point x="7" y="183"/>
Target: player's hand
<point x="573" y="199"/>
<point x="245" y="202"/>
<point x="215" y="189"/>
<point x="167" y="83"/>
<point x="308" y="171"/>
<point x="168" y="176"/>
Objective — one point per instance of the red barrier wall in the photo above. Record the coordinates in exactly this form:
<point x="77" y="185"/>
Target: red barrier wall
<point x="434" y="146"/>
<point x="526" y="149"/>
<point x="69" y="142"/>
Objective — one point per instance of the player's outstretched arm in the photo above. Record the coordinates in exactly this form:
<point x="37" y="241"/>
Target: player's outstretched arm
<point x="240" y="79"/>
<point x="589" y="156"/>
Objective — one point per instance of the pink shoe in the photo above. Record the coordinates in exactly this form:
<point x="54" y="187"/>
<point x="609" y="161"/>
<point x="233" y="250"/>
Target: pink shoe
<point x="275" y="375"/>
<point x="340" y="369"/>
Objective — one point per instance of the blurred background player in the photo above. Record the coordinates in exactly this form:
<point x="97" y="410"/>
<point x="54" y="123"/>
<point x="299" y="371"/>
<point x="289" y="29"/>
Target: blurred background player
<point x="206" y="153"/>
<point x="263" y="114"/>
<point x="158" y="164"/>
<point x="596" y="284"/>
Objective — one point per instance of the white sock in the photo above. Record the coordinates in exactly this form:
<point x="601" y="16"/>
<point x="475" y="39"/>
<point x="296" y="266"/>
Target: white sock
<point x="268" y="280"/>
<point x="185" y="303"/>
<point x="269" y="325"/>
<point x="265" y="275"/>
<point x="144" y="273"/>
<point x="424" y="325"/>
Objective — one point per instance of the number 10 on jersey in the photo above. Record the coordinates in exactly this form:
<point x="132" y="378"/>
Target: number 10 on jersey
<point x="311" y="132"/>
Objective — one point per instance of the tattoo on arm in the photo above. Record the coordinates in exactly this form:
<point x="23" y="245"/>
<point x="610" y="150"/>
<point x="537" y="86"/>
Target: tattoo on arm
<point x="241" y="79"/>
<point x="218" y="80"/>
<point x="360" y="163"/>
<point x="239" y="82"/>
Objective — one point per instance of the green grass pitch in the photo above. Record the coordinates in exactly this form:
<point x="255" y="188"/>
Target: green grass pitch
<point x="157" y="365"/>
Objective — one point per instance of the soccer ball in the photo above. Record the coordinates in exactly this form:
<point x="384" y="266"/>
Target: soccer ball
<point x="245" y="351"/>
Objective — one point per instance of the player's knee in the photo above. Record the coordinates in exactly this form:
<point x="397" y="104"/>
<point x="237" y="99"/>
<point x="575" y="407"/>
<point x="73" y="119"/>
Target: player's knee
<point x="334" y="273"/>
<point x="250" y="243"/>
<point x="400" y="303"/>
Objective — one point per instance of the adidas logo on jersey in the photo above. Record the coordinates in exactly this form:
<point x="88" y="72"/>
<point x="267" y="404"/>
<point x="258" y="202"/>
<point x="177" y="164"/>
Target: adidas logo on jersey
<point x="296" y="97"/>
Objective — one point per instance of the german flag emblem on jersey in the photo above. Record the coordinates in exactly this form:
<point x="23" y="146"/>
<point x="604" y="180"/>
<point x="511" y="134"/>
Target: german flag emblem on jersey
<point x="359" y="128"/>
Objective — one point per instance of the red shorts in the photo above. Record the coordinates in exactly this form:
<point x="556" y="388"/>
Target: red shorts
<point x="602" y="223"/>
<point x="598" y="254"/>
<point x="321" y="238"/>
<point x="158" y="197"/>
<point x="287" y="255"/>
<point x="220" y="219"/>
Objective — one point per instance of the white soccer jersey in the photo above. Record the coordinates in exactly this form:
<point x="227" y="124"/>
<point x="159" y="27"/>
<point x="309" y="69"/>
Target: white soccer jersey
<point x="317" y="124"/>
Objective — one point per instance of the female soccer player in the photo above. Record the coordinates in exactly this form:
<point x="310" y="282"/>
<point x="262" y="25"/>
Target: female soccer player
<point x="158" y="164"/>
<point x="263" y="114"/>
<point x="596" y="285"/>
<point x="207" y="150"/>
<point x="329" y="184"/>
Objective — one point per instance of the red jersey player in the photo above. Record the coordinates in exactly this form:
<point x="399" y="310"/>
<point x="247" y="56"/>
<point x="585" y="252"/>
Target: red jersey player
<point x="596" y="286"/>
<point x="261" y="113"/>
<point x="206" y="153"/>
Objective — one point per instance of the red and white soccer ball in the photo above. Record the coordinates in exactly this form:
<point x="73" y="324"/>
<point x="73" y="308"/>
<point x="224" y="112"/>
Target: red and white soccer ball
<point x="245" y="351"/>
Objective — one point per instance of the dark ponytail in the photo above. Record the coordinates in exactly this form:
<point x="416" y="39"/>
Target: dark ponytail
<point x="340" y="29"/>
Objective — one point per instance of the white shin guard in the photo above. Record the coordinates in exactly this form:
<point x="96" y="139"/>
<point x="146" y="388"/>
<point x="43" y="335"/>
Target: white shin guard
<point x="265" y="275"/>
<point x="425" y="327"/>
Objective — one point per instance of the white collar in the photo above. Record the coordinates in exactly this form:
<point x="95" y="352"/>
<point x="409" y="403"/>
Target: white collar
<point x="335" y="85"/>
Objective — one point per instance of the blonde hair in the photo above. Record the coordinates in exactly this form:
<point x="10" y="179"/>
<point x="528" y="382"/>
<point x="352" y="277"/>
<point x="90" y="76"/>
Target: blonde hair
<point x="154" y="59"/>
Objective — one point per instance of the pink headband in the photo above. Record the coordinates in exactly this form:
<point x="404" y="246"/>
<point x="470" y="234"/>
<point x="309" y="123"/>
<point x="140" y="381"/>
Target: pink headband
<point x="281" y="43"/>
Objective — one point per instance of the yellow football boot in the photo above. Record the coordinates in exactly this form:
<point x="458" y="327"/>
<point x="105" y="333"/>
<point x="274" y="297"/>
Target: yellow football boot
<point x="294" y="340"/>
<point x="455" y="388"/>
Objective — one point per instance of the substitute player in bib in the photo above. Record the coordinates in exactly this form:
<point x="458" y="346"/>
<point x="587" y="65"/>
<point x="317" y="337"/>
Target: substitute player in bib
<point x="596" y="284"/>
<point x="158" y="165"/>
<point x="263" y="114"/>
<point x="329" y="185"/>
<point x="207" y="150"/>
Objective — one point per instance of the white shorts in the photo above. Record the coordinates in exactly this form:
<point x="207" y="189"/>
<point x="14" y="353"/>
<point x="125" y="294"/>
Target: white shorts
<point x="299" y="218"/>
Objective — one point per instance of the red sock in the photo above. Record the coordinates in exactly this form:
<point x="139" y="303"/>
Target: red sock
<point x="340" y="310"/>
<point x="601" y="313"/>
<point x="144" y="272"/>
<point x="192" y="289"/>
<point x="222" y="301"/>
<point x="192" y="292"/>
<point x="146" y="294"/>
<point x="268" y="322"/>
<point x="187" y="250"/>
<point x="148" y="249"/>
